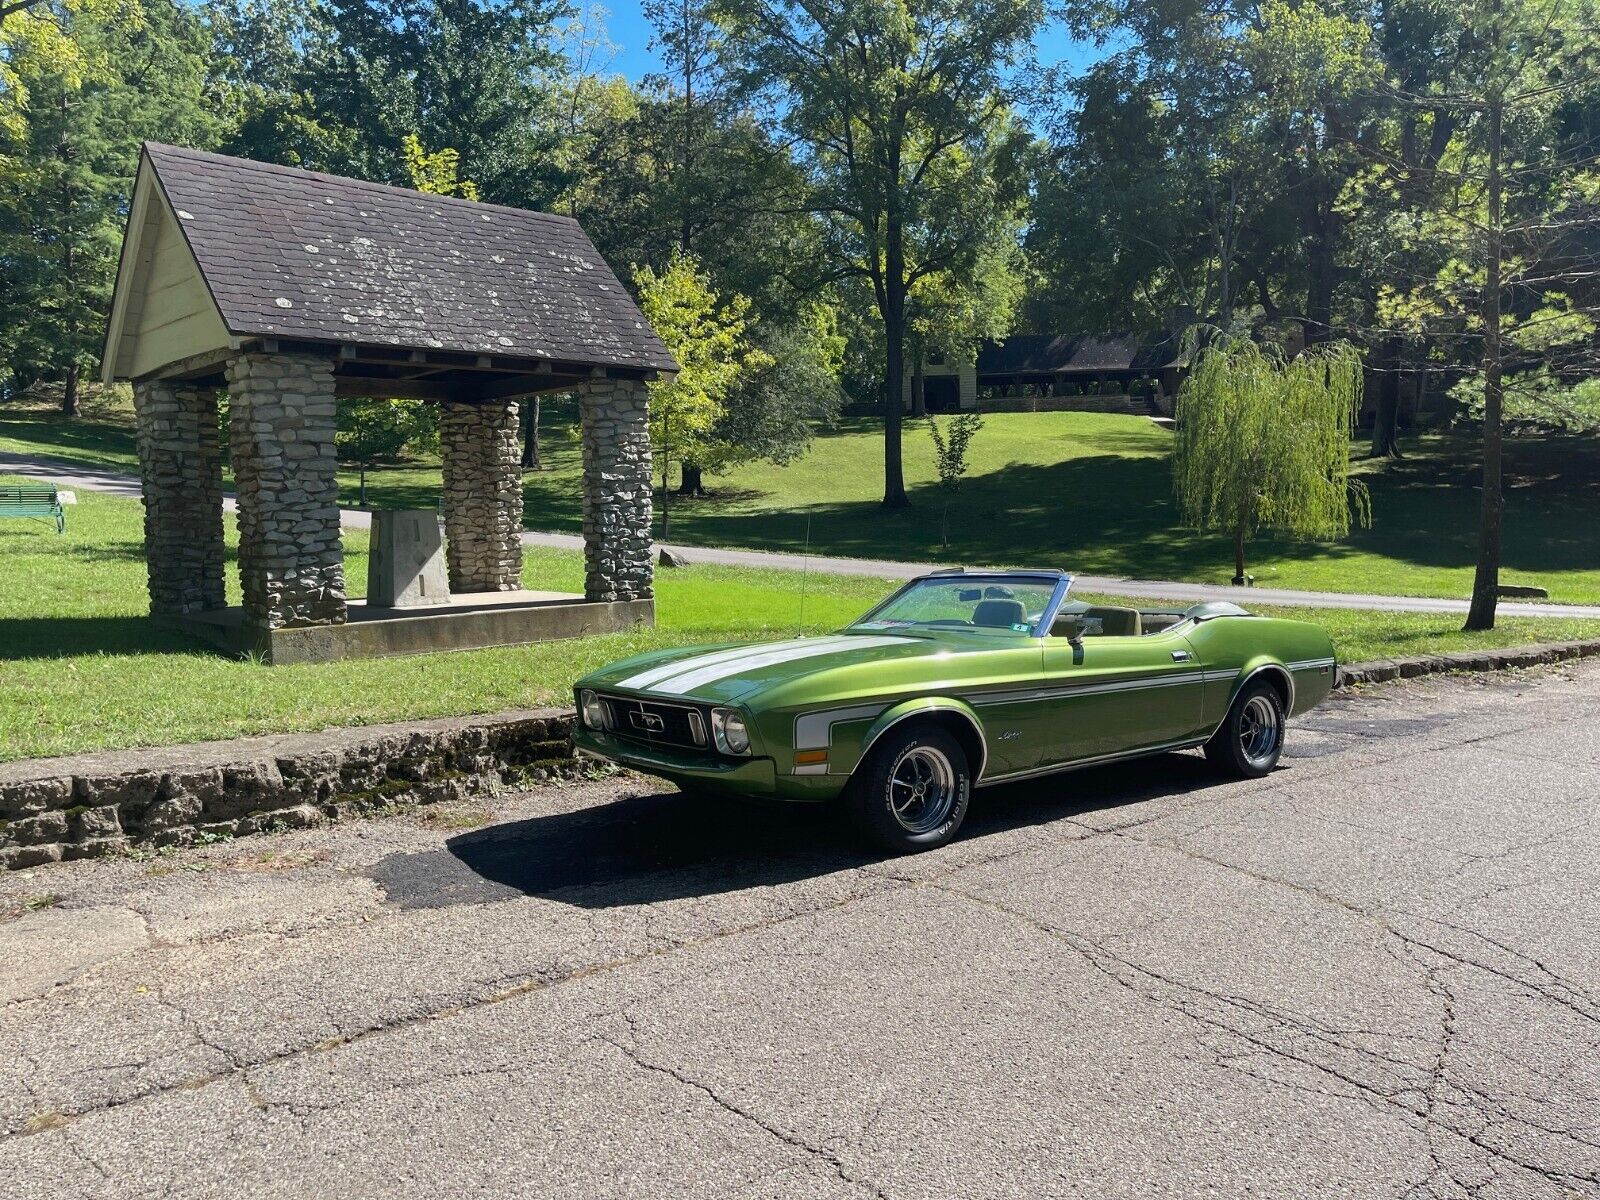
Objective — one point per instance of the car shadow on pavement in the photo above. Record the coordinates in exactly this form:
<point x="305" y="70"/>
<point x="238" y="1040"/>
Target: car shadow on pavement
<point x="664" y="845"/>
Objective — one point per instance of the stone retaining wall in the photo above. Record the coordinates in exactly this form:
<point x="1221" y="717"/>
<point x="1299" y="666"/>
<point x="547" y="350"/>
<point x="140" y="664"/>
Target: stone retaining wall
<point x="94" y="804"/>
<point x="1384" y="670"/>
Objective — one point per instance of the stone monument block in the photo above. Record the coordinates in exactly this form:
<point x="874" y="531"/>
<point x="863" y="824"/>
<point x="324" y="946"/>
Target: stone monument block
<point x="406" y="568"/>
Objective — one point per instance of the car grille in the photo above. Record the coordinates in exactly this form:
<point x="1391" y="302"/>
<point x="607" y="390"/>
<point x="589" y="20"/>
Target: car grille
<point x="656" y="724"/>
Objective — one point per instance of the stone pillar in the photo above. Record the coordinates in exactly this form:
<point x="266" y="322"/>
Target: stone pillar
<point x="482" y="495"/>
<point x="616" y="490"/>
<point x="180" y="463"/>
<point x="291" y="565"/>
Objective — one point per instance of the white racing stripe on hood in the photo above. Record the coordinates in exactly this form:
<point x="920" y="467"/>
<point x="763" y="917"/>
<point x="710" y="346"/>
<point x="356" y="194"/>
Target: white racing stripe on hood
<point x="769" y="656"/>
<point x="678" y="666"/>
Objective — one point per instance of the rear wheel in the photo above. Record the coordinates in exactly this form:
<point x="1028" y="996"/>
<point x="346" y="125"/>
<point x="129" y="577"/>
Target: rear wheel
<point x="1250" y="741"/>
<point x="912" y="791"/>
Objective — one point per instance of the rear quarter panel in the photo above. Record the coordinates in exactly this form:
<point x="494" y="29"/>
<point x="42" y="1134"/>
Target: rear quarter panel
<point x="1234" y="648"/>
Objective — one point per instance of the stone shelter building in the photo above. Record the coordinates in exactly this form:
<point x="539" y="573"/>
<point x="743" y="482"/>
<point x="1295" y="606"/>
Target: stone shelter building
<point x="1052" y="371"/>
<point x="289" y="289"/>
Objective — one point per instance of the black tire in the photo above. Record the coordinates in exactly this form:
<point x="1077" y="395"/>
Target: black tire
<point x="1250" y="741"/>
<point x="912" y="791"/>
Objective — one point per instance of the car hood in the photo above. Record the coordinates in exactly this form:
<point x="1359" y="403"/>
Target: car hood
<point x="723" y="674"/>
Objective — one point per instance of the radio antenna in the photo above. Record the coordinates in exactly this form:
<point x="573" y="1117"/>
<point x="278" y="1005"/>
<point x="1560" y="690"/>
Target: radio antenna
<point x="805" y="567"/>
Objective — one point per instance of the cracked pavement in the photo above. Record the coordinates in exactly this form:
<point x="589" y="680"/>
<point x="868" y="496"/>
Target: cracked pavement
<point x="1375" y="973"/>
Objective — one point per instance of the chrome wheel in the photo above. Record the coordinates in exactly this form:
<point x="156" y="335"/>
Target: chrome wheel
<point x="1260" y="730"/>
<point x="922" y="789"/>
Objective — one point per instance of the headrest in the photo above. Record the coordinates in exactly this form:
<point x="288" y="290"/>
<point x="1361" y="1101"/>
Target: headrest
<point x="999" y="614"/>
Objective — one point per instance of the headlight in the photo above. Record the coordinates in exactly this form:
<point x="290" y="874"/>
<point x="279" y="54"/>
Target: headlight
<point x="594" y="713"/>
<point x="733" y="737"/>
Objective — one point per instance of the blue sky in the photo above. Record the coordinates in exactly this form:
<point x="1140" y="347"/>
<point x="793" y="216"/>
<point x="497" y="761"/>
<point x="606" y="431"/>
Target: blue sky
<point x="631" y="33"/>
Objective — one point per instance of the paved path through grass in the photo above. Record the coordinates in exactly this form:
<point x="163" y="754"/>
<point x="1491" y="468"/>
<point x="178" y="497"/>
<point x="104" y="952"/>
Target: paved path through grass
<point x="66" y="474"/>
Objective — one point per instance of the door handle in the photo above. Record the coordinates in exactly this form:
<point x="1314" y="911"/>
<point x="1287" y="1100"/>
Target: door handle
<point x="1180" y="656"/>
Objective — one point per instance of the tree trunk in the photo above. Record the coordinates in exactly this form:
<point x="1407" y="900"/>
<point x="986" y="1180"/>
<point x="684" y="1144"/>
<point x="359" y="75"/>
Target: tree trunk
<point x="894" y="334"/>
<point x="530" y="441"/>
<point x="692" y="482"/>
<point x="919" y="387"/>
<point x="1486" y="581"/>
<point x="1386" y="410"/>
<point x="666" y="498"/>
<point x="69" y="391"/>
<point x="1238" y="557"/>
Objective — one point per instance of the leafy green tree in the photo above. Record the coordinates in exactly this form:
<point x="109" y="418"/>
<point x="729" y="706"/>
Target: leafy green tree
<point x="706" y="335"/>
<point x="468" y="74"/>
<point x="897" y="111"/>
<point x="950" y="458"/>
<point x="371" y="431"/>
<point x="1497" y="238"/>
<point x="67" y="163"/>
<point x="1264" y="443"/>
<point x="789" y="386"/>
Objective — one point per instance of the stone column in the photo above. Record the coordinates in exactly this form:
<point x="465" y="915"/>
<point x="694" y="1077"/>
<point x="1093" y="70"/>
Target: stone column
<point x="291" y="564"/>
<point x="616" y="490"/>
<point x="180" y="463"/>
<point x="482" y="495"/>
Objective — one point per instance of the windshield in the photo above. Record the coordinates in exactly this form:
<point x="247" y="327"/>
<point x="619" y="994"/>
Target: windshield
<point x="988" y="604"/>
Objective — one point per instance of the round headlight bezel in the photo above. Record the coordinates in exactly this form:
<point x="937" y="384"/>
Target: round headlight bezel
<point x="593" y="710"/>
<point x="731" y="731"/>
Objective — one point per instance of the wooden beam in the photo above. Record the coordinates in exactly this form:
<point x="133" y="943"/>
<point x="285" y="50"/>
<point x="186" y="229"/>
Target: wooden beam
<point x="394" y="389"/>
<point x="522" y="385"/>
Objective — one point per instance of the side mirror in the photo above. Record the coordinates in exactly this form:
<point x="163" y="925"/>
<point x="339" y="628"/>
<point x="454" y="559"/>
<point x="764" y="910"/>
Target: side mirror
<point x="1071" y="629"/>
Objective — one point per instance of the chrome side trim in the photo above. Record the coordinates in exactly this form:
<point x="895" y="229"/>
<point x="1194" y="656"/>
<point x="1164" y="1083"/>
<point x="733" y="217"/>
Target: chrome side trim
<point x="1310" y="664"/>
<point x="1096" y="760"/>
<point x="920" y="712"/>
<point x="1172" y="679"/>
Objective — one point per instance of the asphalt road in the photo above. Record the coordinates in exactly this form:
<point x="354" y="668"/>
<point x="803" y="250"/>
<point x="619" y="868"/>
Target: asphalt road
<point x="1374" y="974"/>
<point x="96" y="480"/>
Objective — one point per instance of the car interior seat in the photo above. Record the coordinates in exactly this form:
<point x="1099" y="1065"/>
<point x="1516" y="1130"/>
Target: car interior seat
<point x="999" y="614"/>
<point x="1114" y="622"/>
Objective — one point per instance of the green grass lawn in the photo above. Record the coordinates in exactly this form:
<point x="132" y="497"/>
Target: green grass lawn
<point x="83" y="669"/>
<point x="1084" y="491"/>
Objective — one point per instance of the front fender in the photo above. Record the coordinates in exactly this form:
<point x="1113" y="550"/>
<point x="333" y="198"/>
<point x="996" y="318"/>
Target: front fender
<point x="965" y="722"/>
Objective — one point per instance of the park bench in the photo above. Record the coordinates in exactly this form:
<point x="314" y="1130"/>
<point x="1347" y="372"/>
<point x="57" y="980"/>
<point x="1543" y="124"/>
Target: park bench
<point x="32" y="500"/>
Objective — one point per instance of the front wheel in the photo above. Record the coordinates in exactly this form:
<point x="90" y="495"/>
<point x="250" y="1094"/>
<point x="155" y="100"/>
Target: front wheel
<point x="1250" y="741"/>
<point x="912" y="791"/>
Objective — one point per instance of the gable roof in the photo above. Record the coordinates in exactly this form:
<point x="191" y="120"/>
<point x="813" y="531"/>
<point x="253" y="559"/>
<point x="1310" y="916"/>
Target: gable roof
<point x="299" y="255"/>
<point x="1066" y="354"/>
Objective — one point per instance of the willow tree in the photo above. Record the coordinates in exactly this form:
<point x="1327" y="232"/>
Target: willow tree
<point x="1264" y="443"/>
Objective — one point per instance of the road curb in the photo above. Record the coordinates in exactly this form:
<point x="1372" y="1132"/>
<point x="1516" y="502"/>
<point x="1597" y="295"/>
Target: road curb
<point x="1384" y="670"/>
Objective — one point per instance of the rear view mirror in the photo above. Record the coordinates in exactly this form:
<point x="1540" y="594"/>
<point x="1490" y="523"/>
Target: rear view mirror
<point x="969" y="595"/>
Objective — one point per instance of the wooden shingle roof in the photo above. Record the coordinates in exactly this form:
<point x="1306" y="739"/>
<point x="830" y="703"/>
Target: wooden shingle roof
<point x="303" y="256"/>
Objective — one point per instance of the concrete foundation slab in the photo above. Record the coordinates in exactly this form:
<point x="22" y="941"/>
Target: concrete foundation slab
<point x="469" y="621"/>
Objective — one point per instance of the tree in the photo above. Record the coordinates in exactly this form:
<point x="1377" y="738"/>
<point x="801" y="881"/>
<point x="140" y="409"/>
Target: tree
<point x="67" y="163"/>
<point x="468" y="74"/>
<point x="950" y="459"/>
<point x="789" y="385"/>
<point x="897" y="110"/>
<point x="706" y="335"/>
<point x="1502" y="223"/>
<point x="375" y="430"/>
<point x="1264" y="443"/>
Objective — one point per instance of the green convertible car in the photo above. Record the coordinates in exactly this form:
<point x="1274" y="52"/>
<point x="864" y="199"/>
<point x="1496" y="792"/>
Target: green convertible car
<point x="959" y="680"/>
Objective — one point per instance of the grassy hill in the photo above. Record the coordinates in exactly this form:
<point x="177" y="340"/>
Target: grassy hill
<point x="1085" y="491"/>
<point x="84" y="669"/>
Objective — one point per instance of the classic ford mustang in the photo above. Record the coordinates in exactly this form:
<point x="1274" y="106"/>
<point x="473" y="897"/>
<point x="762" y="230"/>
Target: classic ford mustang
<point x="959" y="680"/>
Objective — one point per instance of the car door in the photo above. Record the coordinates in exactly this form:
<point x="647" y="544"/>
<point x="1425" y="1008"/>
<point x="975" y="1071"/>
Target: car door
<point x="1107" y="695"/>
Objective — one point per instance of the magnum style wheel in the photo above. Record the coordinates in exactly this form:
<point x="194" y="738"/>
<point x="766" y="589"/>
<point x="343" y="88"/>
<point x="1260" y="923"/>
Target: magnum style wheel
<point x="912" y="790"/>
<point x="1250" y="741"/>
